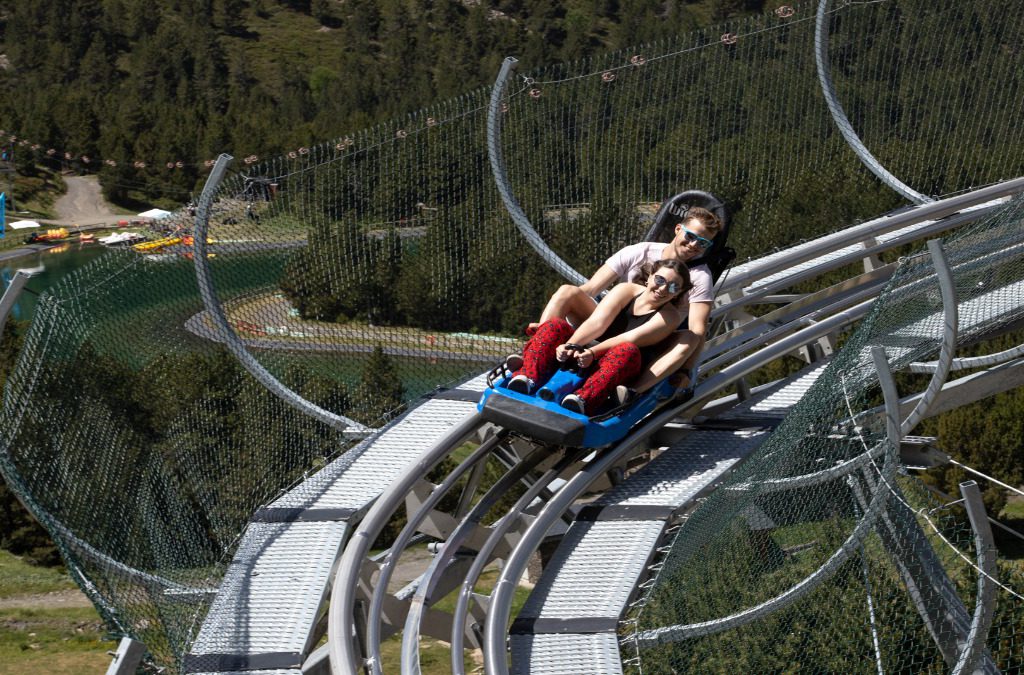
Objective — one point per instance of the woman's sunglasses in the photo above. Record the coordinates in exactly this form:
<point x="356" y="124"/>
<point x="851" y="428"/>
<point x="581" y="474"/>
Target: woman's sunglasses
<point x="696" y="238"/>
<point x="670" y="286"/>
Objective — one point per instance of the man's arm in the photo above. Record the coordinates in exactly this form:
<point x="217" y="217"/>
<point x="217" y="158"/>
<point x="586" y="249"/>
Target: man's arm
<point x="576" y="303"/>
<point x="601" y="279"/>
<point x="697" y="319"/>
<point x="697" y="323"/>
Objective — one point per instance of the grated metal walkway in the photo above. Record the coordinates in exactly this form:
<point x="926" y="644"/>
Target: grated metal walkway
<point x="267" y="607"/>
<point x="569" y="623"/>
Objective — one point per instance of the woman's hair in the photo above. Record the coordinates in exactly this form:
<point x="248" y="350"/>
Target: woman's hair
<point x="649" y="268"/>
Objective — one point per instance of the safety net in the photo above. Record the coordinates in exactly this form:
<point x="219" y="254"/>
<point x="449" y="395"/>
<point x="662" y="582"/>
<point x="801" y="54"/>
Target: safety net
<point x="168" y="390"/>
<point x="821" y="553"/>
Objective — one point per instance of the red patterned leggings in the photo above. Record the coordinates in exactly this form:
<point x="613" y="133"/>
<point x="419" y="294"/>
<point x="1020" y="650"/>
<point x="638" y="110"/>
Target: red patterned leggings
<point x="616" y="366"/>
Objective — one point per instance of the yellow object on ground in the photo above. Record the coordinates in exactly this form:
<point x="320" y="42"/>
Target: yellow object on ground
<point x="156" y="244"/>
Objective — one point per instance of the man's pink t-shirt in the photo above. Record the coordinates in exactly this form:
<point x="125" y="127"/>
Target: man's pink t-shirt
<point x="626" y="262"/>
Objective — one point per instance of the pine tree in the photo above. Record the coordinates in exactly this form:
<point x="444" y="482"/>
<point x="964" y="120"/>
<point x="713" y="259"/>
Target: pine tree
<point x="380" y="394"/>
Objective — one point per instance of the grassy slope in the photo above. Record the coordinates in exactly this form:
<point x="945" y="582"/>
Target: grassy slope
<point x="46" y="639"/>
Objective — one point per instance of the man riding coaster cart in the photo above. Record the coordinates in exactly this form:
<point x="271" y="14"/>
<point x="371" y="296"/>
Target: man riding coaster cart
<point x="567" y="409"/>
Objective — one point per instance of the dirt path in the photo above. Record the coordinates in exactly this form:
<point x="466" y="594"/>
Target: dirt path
<point x="69" y="598"/>
<point x="84" y="199"/>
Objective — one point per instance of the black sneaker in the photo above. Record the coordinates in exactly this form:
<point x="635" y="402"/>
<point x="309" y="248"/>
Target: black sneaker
<point x="574" y="403"/>
<point x="513" y="362"/>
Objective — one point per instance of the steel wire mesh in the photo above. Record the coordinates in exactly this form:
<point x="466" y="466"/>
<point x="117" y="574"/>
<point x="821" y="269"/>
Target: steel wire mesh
<point x="365" y="271"/>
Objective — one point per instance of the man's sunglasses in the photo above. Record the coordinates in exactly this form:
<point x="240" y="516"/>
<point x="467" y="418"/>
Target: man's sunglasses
<point x="696" y="238"/>
<point x="671" y="286"/>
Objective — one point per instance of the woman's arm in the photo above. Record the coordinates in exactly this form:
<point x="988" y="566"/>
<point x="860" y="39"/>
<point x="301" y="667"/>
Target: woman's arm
<point x="603" y="315"/>
<point x="652" y="332"/>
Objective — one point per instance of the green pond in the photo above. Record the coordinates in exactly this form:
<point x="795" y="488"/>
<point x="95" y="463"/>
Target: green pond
<point x="50" y="266"/>
<point x="146" y="313"/>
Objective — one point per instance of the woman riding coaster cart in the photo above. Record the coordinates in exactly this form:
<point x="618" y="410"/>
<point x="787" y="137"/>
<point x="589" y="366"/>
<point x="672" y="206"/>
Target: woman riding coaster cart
<point x="532" y="395"/>
<point x="611" y="346"/>
<point x="692" y="227"/>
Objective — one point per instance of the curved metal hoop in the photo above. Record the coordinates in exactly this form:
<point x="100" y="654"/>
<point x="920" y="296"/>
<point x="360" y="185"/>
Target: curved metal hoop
<point x="950" y="327"/>
<point x="231" y="340"/>
<point x="497" y="159"/>
<point x="971" y="361"/>
<point x="831" y="566"/>
<point x="940" y="372"/>
<point x="839" y="115"/>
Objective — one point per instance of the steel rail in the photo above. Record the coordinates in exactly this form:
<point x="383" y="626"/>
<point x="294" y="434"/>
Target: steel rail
<point x="344" y="657"/>
<point x="941" y="225"/>
<point x="499" y="529"/>
<point x="737" y="278"/>
<point x="748" y="364"/>
<point x="502" y="595"/>
<point x="12" y="293"/>
<point x="413" y="521"/>
<point x="808" y="306"/>
<point x="792" y="323"/>
<point x="462" y="532"/>
<point x="407" y="536"/>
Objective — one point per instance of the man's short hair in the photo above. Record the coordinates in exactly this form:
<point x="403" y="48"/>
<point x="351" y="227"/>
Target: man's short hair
<point x="705" y="218"/>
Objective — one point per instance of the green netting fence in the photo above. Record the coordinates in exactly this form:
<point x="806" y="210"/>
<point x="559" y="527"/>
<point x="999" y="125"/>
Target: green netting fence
<point x="823" y="481"/>
<point x="364" y="272"/>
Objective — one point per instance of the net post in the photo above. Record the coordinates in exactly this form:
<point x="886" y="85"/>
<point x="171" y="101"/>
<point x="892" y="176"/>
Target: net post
<point x="821" y="61"/>
<point x="943" y="613"/>
<point x="234" y="344"/>
<point x="11" y="294"/>
<point x="127" y="658"/>
<point x="985" y="603"/>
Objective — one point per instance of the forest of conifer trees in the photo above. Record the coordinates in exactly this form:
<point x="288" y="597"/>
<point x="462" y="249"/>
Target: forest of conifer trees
<point x="183" y="80"/>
